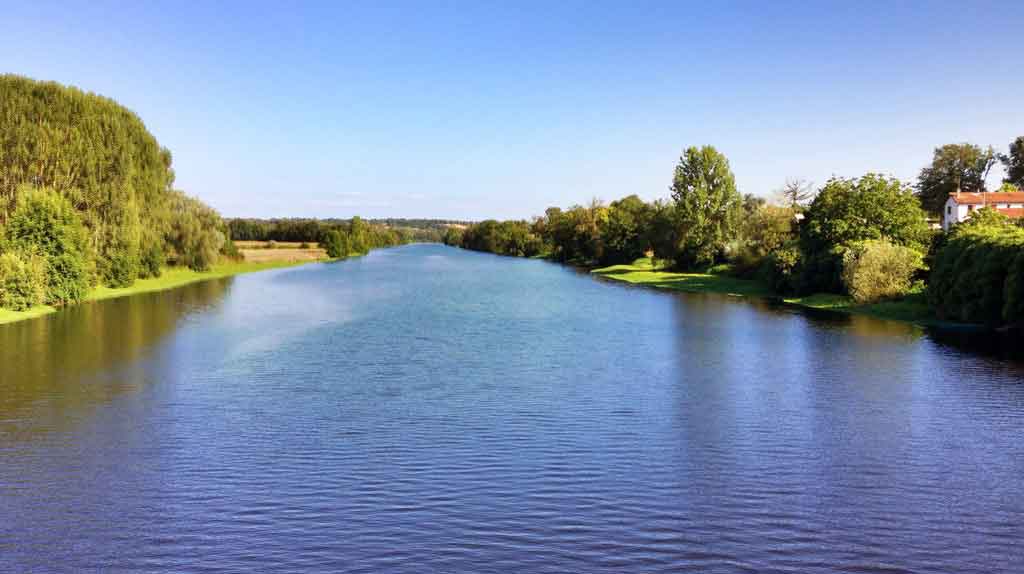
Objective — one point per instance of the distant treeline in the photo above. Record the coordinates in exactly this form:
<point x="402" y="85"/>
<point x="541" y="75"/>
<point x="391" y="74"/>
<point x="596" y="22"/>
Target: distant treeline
<point x="87" y="197"/>
<point x="383" y="231"/>
<point x="868" y="237"/>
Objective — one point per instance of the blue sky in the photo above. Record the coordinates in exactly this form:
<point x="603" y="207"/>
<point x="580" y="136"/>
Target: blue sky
<point x="482" y="109"/>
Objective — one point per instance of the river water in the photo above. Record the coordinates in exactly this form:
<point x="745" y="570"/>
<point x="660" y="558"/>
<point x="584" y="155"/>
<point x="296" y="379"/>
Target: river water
<point x="428" y="409"/>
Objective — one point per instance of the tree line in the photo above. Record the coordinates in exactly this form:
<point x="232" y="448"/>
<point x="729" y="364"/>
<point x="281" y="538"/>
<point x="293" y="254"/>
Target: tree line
<point x="87" y="197"/>
<point x="378" y="233"/>
<point x="868" y="237"/>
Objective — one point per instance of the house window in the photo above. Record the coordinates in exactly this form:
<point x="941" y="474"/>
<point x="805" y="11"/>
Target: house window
<point x="970" y="208"/>
<point x="949" y="210"/>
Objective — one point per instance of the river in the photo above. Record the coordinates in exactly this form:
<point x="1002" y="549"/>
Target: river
<point x="428" y="409"/>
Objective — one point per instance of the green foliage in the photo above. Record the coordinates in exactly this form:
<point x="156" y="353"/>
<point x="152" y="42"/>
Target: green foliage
<point x="453" y="236"/>
<point x="847" y="211"/>
<point x="977" y="274"/>
<point x="22" y="281"/>
<point x="781" y="269"/>
<point x="336" y="244"/>
<point x="230" y="251"/>
<point x="195" y="235"/>
<point x="624" y="231"/>
<point x="94" y="153"/>
<point x="151" y="261"/>
<point x="708" y="207"/>
<point x="954" y="167"/>
<point x="764" y="230"/>
<point x="984" y="217"/>
<point x="504" y="238"/>
<point x="46" y="223"/>
<point x="1014" y="163"/>
<point x="874" y="270"/>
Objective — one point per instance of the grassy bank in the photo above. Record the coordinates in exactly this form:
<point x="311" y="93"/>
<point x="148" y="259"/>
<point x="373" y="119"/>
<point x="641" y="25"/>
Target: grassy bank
<point x="171" y="278"/>
<point x="911" y="308"/>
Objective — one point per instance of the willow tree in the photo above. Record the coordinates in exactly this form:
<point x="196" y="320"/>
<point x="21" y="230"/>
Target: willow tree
<point x="96" y="154"/>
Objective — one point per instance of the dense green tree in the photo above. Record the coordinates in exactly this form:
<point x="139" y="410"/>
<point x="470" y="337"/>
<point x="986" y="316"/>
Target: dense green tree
<point x="850" y="210"/>
<point x="45" y="223"/>
<point x="624" y="232"/>
<point x="868" y="207"/>
<point x="708" y="206"/>
<point x="955" y="167"/>
<point x="97" y="155"/>
<point x="336" y="243"/>
<point x="1014" y="163"/>
<point x="977" y="274"/>
<point x="195" y="237"/>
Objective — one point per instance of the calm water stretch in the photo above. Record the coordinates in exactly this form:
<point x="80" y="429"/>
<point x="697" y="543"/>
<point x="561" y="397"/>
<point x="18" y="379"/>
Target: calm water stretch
<point x="426" y="409"/>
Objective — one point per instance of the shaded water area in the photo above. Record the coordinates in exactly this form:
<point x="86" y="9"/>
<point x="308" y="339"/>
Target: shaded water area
<point x="430" y="409"/>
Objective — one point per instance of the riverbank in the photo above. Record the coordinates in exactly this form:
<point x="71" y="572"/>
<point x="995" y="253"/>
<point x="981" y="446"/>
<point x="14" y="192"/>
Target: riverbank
<point x="912" y="308"/>
<point x="170" y="278"/>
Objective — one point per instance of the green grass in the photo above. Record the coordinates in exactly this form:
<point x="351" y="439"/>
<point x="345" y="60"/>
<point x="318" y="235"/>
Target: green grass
<point x="912" y="308"/>
<point x="169" y="279"/>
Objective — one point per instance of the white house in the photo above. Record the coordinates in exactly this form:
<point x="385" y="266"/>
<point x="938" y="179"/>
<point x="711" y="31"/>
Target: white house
<point x="960" y="205"/>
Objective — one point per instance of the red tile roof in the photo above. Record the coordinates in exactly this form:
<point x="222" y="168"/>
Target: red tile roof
<point x="1011" y="212"/>
<point x="988" y="198"/>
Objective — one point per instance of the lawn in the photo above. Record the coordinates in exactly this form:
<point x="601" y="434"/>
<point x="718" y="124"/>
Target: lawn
<point x="912" y="308"/>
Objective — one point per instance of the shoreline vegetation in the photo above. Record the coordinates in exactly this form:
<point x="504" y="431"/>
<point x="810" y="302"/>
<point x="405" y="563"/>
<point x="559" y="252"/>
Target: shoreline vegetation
<point x="868" y="245"/>
<point x="89" y="211"/>
<point x="912" y="308"/>
<point x="171" y="278"/>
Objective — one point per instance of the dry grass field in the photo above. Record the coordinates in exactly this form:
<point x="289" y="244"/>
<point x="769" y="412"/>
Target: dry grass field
<point x="290" y="255"/>
<point x="275" y="245"/>
<point x="279" y="251"/>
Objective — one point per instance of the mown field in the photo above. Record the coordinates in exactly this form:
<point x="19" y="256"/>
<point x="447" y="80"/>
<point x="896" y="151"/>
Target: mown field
<point x="280" y="251"/>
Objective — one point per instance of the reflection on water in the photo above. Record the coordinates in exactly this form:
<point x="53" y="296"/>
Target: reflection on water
<point x="54" y="369"/>
<point x="427" y="409"/>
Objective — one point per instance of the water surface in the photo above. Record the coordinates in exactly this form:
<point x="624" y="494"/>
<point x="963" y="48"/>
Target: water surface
<point x="431" y="409"/>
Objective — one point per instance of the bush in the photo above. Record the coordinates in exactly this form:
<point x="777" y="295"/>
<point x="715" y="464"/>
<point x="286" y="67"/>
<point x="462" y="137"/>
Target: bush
<point x="978" y="275"/>
<point x="781" y="270"/>
<point x="876" y="270"/>
<point x="45" y="223"/>
<point x="336" y="244"/>
<point x="152" y="261"/>
<point x="22" y="281"/>
<point x="230" y="251"/>
<point x="120" y="267"/>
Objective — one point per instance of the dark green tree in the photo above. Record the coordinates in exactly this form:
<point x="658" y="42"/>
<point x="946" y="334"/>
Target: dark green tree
<point x="1014" y="163"/>
<point x="955" y="167"/>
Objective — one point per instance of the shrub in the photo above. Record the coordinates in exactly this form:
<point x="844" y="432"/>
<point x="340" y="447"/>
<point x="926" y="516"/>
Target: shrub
<point x="22" y="281"/>
<point x="781" y="270"/>
<point x="876" y="269"/>
<point x="152" y="261"/>
<point x="45" y="223"/>
<point x="336" y="244"/>
<point x="120" y="267"/>
<point x="230" y="250"/>
<point x="977" y="275"/>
